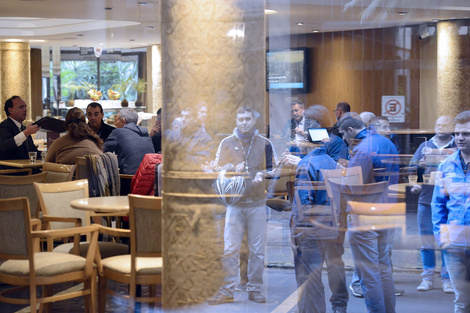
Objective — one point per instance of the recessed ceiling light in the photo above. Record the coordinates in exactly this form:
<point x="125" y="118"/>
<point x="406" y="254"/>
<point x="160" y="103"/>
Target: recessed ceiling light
<point x="300" y="23"/>
<point x="100" y="43"/>
<point x="108" y="9"/>
<point x="13" y="40"/>
<point x="435" y="20"/>
<point x="402" y="13"/>
<point x="315" y="30"/>
<point x="150" y="27"/>
<point x="131" y="39"/>
<point x="37" y="40"/>
<point x="143" y="3"/>
<point x="79" y="35"/>
<point x="268" y="11"/>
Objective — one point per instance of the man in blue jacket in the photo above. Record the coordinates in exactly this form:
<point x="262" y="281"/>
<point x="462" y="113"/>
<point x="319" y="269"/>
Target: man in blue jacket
<point x="451" y="213"/>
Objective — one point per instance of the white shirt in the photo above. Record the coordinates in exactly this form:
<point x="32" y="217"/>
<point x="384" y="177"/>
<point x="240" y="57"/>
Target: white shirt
<point x="21" y="137"/>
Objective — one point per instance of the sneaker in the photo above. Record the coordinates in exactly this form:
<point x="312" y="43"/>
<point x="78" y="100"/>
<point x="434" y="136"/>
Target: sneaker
<point x="399" y="292"/>
<point x="220" y="298"/>
<point x="256" y="296"/>
<point x="240" y="287"/>
<point x="447" y="287"/>
<point x="356" y="290"/>
<point x="339" y="309"/>
<point x="425" y="285"/>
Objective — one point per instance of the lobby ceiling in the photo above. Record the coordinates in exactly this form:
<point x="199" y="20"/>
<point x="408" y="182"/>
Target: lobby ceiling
<point x="132" y="24"/>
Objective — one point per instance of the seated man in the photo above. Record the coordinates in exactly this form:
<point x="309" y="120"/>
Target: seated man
<point x="15" y="138"/>
<point x="94" y="114"/>
<point x="129" y="141"/>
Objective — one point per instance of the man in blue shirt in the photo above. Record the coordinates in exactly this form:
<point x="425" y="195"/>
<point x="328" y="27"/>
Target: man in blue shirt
<point x="451" y="215"/>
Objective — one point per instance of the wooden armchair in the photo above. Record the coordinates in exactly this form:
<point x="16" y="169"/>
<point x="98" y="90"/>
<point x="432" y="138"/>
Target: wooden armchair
<point x="144" y="265"/>
<point x="24" y="267"/>
<point x="57" y="173"/>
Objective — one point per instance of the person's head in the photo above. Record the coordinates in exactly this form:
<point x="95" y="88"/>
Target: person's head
<point x="462" y="132"/>
<point x="341" y="109"/>
<point x="382" y="125"/>
<point x="350" y="127"/>
<point x="126" y="116"/>
<point x="367" y="117"/>
<point x="316" y="116"/>
<point x="187" y="117"/>
<point x="201" y="108"/>
<point x="444" y="127"/>
<point x="94" y="113"/>
<point x="297" y="110"/>
<point x="78" y="129"/>
<point x="16" y="108"/>
<point x="245" y="119"/>
<point x="158" y="120"/>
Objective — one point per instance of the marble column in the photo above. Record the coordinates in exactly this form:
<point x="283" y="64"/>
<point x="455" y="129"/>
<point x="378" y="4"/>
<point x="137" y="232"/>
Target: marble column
<point x="154" y="78"/>
<point x="213" y="50"/>
<point x="452" y="74"/>
<point x="15" y="78"/>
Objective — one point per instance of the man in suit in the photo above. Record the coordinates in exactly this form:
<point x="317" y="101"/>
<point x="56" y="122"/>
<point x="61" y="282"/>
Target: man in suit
<point x="94" y="114"/>
<point x="15" y="138"/>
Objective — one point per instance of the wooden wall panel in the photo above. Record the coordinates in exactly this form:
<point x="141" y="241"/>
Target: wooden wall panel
<point x="36" y="84"/>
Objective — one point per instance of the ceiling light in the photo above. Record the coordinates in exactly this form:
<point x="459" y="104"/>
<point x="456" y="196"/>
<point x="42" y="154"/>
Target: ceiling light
<point x="268" y="11"/>
<point x="402" y="13"/>
<point x="150" y="27"/>
<point x="79" y="35"/>
<point x="131" y="39"/>
<point x="13" y="40"/>
<point x="108" y="9"/>
<point x="143" y="3"/>
<point x="315" y="31"/>
<point x="100" y="43"/>
<point x="37" y="40"/>
<point x="435" y="20"/>
<point x="300" y="23"/>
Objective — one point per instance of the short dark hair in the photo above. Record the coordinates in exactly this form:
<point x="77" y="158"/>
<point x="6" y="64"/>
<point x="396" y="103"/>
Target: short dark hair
<point x="297" y="102"/>
<point x="9" y="104"/>
<point x="351" y="122"/>
<point x="344" y="106"/>
<point x="375" y="119"/>
<point x="159" y="111"/>
<point x="95" y="105"/>
<point x="462" y="118"/>
<point x="245" y="109"/>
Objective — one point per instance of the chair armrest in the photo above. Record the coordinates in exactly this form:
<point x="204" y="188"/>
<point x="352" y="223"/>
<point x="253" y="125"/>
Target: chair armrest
<point x="76" y="220"/>
<point x="118" y="232"/>
<point x="35" y="224"/>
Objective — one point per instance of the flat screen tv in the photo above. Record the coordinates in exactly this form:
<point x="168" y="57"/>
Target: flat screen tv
<point x="286" y="70"/>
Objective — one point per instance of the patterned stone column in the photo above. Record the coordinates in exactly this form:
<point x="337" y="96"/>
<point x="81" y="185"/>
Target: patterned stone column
<point x="15" y="73"/>
<point x="452" y="75"/>
<point x="213" y="50"/>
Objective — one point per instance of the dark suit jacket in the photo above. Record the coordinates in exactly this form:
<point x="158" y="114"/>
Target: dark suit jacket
<point x="8" y="148"/>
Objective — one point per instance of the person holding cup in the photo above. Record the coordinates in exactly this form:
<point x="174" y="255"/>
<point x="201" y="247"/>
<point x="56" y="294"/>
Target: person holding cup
<point x="437" y="145"/>
<point x="15" y="138"/>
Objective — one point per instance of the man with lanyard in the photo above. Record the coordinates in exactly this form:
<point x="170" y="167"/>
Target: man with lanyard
<point x="250" y="155"/>
<point x="440" y="144"/>
<point x="451" y="215"/>
<point x="94" y="114"/>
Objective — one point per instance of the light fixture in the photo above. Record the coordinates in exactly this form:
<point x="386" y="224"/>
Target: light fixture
<point x="131" y="39"/>
<point x="150" y="27"/>
<point x="37" y="40"/>
<point x="435" y="20"/>
<point x="315" y="31"/>
<point x="268" y="11"/>
<point x="402" y="13"/>
<point x="300" y="23"/>
<point x="100" y="43"/>
<point x="143" y="3"/>
<point x="108" y="9"/>
<point x="13" y="40"/>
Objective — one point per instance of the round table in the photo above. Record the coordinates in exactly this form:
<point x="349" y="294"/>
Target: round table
<point x="112" y="204"/>
<point x="400" y="188"/>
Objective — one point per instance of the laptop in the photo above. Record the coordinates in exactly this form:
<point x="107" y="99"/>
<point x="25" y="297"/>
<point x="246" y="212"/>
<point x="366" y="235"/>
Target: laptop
<point x="318" y="134"/>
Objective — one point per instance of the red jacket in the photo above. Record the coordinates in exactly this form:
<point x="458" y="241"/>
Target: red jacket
<point x="144" y="179"/>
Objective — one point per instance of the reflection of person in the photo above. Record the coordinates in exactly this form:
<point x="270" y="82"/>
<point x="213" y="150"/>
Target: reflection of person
<point x="450" y="207"/>
<point x="80" y="140"/>
<point x="156" y="132"/>
<point x="201" y="107"/>
<point x="366" y="117"/>
<point x="442" y="140"/>
<point x="94" y="113"/>
<point x="294" y="128"/>
<point x="371" y="249"/>
<point x="129" y="141"/>
<point x="310" y="249"/>
<point x="342" y="111"/>
<point x="188" y="136"/>
<point x="251" y="154"/>
<point x="15" y="138"/>
<point x="382" y="126"/>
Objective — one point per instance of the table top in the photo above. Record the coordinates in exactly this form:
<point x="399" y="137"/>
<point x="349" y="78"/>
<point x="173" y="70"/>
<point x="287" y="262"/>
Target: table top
<point x="401" y="188"/>
<point x="112" y="204"/>
<point x="24" y="163"/>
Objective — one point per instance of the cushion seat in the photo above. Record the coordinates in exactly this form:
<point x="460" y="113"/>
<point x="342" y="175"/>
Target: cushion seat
<point x="46" y="264"/>
<point x="107" y="249"/>
<point x="145" y="266"/>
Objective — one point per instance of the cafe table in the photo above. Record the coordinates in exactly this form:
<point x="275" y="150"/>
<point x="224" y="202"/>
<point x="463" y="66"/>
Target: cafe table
<point x="23" y="163"/>
<point x="108" y="206"/>
<point x="400" y="188"/>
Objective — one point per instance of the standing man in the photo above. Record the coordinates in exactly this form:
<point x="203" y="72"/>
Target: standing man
<point x="94" y="113"/>
<point x="251" y="155"/>
<point x="451" y="213"/>
<point x="343" y="110"/>
<point x="129" y="141"/>
<point x="296" y="124"/>
<point x="15" y="138"/>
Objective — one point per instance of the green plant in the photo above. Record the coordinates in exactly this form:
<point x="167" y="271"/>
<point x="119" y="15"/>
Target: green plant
<point x="140" y="85"/>
<point x="122" y="86"/>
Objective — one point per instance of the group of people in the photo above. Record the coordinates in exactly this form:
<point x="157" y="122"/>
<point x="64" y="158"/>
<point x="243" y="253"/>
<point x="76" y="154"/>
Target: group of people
<point x="356" y="140"/>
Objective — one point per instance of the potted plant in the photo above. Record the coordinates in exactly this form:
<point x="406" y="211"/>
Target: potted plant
<point x="73" y="89"/>
<point x="141" y="87"/>
<point x="121" y="88"/>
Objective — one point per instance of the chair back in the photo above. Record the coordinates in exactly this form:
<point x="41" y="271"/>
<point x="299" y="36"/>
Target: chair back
<point x="57" y="173"/>
<point x="102" y="172"/>
<point x="55" y="200"/>
<point x="14" y="228"/>
<point x="22" y="186"/>
<point x="145" y="220"/>
<point x="345" y="176"/>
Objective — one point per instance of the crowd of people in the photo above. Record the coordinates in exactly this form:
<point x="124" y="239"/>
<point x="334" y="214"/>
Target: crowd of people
<point x="321" y="218"/>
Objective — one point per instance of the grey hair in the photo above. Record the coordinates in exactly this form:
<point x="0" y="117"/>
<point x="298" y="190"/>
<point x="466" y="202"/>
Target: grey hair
<point x="129" y="114"/>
